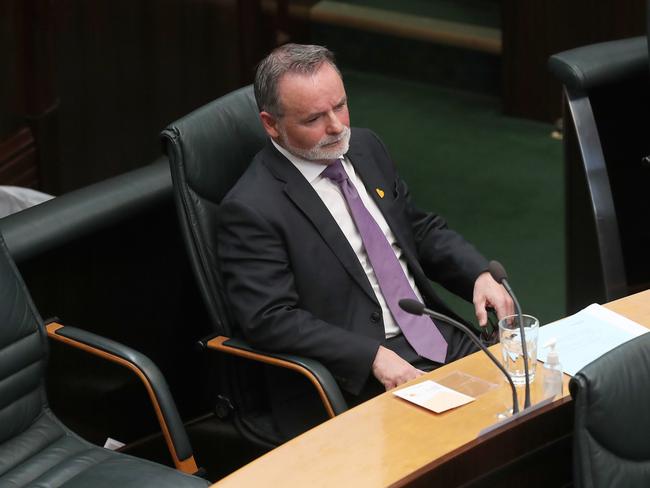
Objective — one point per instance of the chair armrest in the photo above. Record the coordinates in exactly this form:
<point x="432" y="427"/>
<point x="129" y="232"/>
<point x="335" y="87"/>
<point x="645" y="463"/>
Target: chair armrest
<point x="603" y="63"/>
<point x="82" y="212"/>
<point x="154" y="382"/>
<point x="325" y="384"/>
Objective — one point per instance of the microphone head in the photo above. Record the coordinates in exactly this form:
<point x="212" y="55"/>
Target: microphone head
<point x="497" y="271"/>
<point x="411" y="306"/>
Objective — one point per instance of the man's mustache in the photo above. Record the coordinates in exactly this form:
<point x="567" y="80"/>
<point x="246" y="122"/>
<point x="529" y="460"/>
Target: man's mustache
<point x="333" y="139"/>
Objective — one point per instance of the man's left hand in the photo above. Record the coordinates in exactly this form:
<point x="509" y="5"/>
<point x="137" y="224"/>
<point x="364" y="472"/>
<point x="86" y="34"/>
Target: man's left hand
<point x="489" y="293"/>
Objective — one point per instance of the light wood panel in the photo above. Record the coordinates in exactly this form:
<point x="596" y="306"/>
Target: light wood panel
<point x="385" y="441"/>
<point x="409" y="26"/>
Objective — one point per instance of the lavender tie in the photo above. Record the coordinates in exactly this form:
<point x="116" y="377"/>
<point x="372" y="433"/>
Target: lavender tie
<point x="420" y="331"/>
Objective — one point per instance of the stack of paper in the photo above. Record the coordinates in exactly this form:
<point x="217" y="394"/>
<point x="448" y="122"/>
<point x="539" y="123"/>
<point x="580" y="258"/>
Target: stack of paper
<point x="587" y="335"/>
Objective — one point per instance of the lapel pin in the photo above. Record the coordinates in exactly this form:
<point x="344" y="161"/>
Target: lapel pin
<point x="380" y="192"/>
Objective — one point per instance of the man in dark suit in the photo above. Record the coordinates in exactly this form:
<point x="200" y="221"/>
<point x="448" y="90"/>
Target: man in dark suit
<point x="319" y="239"/>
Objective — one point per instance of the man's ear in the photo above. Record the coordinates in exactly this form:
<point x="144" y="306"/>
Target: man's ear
<point x="270" y="124"/>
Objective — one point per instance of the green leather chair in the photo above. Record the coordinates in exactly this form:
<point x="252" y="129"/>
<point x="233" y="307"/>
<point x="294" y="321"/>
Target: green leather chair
<point x="612" y="418"/>
<point x="36" y="449"/>
<point x="607" y="169"/>
<point x="208" y="151"/>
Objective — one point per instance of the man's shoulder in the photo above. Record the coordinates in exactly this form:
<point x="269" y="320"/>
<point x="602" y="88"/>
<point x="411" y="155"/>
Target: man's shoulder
<point x="255" y="175"/>
<point x="363" y="139"/>
<point x="366" y="147"/>
<point x="363" y="134"/>
<point x="256" y="181"/>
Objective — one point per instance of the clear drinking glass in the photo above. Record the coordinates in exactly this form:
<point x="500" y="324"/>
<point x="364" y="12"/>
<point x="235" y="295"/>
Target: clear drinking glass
<point x="511" y="350"/>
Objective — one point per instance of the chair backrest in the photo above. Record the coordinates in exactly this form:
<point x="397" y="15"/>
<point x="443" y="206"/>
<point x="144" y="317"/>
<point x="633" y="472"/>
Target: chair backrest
<point x="607" y="177"/>
<point x="23" y="352"/>
<point x="612" y="418"/>
<point x="209" y="149"/>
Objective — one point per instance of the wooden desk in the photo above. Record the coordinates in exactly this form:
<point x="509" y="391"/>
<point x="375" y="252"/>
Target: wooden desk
<point x="389" y="442"/>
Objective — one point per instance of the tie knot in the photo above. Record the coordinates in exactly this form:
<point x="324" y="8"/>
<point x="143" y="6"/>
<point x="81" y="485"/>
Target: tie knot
<point x="335" y="171"/>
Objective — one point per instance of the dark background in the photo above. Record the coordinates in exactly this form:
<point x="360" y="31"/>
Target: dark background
<point x="85" y="87"/>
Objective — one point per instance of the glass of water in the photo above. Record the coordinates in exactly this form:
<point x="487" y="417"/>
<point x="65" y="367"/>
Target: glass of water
<point x="511" y="350"/>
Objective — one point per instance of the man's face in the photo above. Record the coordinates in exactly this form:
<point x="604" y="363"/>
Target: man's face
<point x="315" y="123"/>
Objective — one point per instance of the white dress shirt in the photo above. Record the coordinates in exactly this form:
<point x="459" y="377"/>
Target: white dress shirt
<point x="333" y="198"/>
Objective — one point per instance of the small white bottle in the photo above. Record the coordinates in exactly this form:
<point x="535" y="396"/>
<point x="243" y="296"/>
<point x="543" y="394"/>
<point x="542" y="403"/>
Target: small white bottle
<point x="552" y="371"/>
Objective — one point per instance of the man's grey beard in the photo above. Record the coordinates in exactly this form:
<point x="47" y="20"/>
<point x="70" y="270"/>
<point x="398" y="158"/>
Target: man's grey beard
<point x="318" y="152"/>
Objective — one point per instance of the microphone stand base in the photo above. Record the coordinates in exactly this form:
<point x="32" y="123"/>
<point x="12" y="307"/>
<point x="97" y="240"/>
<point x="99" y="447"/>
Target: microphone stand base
<point x="510" y="418"/>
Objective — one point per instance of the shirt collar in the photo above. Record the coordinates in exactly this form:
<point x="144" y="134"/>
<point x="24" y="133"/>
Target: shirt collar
<point x="309" y="169"/>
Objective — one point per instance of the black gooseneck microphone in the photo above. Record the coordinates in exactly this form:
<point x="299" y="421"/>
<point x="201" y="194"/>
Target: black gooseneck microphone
<point x="499" y="275"/>
<point x="416" y="308"/>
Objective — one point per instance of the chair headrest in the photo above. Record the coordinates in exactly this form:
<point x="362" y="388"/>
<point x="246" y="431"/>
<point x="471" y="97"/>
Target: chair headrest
<point x="214" y="144"/>
<point x="598" y="64"/>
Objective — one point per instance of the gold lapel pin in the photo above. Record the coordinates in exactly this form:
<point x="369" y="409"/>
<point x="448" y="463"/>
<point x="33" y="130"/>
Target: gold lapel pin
<point x="380" y="192"/>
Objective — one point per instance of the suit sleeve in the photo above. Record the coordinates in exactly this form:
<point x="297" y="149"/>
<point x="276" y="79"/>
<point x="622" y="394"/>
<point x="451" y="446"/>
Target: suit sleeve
<point x="445" y="256"/>
<point x="261" y="291"/>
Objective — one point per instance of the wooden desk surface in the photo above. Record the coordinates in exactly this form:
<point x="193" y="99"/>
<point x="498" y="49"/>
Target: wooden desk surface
<point x="385" y="440"/>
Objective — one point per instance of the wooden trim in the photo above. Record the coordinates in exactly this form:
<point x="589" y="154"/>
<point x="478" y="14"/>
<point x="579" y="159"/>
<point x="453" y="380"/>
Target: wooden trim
<point x="217" y="343"/>
<point x="485" y="39"/>
<point x="185" y="465"/>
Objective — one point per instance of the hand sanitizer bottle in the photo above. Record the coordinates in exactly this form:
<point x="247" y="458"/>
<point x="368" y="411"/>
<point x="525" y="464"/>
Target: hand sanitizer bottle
<point x="552" y="371"/>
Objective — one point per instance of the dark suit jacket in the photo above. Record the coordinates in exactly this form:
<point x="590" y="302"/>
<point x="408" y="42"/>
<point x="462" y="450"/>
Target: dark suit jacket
<point x="294" y="283"/>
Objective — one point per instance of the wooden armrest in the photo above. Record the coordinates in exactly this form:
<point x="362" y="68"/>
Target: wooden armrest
<point x="325" y="384"/>
<point x="154" y="382"/>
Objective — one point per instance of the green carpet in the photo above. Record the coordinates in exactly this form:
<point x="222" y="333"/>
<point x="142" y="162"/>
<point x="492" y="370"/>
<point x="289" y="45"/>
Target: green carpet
<point x="496" y="179"/>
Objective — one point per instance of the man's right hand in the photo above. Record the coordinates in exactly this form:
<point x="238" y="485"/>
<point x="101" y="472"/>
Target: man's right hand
<point x="391" y="370"/>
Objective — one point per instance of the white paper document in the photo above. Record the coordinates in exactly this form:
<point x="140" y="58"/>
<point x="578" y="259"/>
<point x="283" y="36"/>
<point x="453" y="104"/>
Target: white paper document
<point x="433" y="396"/>
<point x="587" y="335"/>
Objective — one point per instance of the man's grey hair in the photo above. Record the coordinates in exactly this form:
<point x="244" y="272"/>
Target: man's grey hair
<point x="303" y="59"/>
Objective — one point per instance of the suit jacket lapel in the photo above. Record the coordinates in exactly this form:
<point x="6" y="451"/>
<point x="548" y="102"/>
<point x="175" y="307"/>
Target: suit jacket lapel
<point x="307" y="200"/>
<point x="373" y="180"/>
